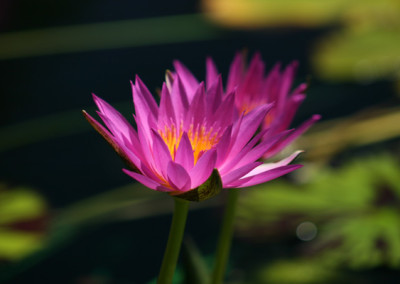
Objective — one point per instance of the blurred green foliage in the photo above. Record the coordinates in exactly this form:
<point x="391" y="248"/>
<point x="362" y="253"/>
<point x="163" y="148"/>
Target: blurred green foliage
<point x="296" y="271"/>
<point x="22" y="214"/>
<point x="356" y="209"/>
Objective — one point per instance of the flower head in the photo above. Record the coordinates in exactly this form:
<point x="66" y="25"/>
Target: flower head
<point x="193" y="139"/>
<point x="253" y="88"/>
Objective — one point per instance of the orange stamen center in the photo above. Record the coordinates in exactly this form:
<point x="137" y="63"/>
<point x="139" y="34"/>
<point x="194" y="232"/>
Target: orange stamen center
<point x="201" y="139"/>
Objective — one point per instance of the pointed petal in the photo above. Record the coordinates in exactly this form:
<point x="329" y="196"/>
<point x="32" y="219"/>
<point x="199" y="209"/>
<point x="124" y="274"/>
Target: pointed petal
<point x="148" y="98"/>
<point x="253" y="79"/>
<point x="238" y="173"/>
<point x="129" y="159"/>
<point x="235" y="73"/>
<point x="196" y="112"/>
<point x="166" y="113"/>
<point x="251" y="122"/>
<point x="122" y="126"/>
<point x="189" y="81"/>
<point x="264" y="177"/>
<point x="161" y="154"/>
<point x="251" y="153"/>
<point x="211" y="73"/>
<point x="294" y="135"/>
<point x="203" y="168"/>
<point x="214" y="96"/>
<point x="178" y="176"/>
<point x="286" y="84"/>
<point x="184" y="153"/>
<point x="179" y="98"/>
<point x="143" y="110"/>
<point x="143" y="179"/>
<point x="223" y="146"/>
<point x="269" y="166"/>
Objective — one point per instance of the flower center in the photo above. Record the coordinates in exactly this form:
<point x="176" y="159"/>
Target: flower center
<point x="201" y="139"/>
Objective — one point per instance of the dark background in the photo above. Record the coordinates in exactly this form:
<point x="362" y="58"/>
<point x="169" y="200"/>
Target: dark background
<point x="37" y="92"/>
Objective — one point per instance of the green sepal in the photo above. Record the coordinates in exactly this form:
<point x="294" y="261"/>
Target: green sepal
<point x="211" y="187"/>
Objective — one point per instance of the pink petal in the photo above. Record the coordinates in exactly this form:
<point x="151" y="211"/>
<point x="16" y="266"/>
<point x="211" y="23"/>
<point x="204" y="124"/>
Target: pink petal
<point x="122" y="126"/>
<point x="214" y="96"/>
<point x="264" y="177"/>
<point x="238" y="173"/>
<point x="235" y="73"/>
<point x="232" y="161"/>
<point x="189" y="81"/>
<point x="251" y="122"/>
<point x="223" y="146"/>
<point x="253" y="78"/>
<point x="166" y="113"/>
<point x="286" y="84"/>
<point x="118" y="146"/>
<point x="178" y="176"/>
<point x="211" y="73"/>
<point x="143" y="110"/>
<point x="295" y="134"/>
<point x="195" y="114"/>
<point x="142" y="179"/>
<point x="250" y="154"/>
<point x="179" y="98"/>
<point x="147" y="97"/>
<point x="203" y="168"/>
<point x="161" y="154"/>
<point x="269" y="166"/>
<point x="184" y="153"/>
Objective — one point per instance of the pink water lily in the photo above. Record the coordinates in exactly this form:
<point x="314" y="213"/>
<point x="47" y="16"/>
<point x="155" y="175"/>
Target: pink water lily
<point x="193" y="132"/>
<point x="253" y="88"/>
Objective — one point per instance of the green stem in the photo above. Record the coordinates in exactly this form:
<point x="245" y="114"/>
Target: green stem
<point x="174" y="241"/>
<point x="225" y="237"/>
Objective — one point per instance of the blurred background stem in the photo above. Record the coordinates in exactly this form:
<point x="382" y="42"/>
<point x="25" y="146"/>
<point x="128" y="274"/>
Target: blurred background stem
<point x="225" y="237"/>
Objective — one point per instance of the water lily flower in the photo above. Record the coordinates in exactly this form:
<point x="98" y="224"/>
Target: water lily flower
<point x="253" y="88"/>
<point x="194" y="141"/>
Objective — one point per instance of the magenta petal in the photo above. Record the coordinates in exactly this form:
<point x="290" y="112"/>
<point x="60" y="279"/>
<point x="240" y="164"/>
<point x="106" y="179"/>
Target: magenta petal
<point x="286" y="83"/>
<point x="214" y="96"/>
<point x="178" y="176"/>
<point x="142" y="179"/>
<point x="161" y="154"/>
<point x="142" y="109"/>
<point x="252" y="81"/>
<point x="251" y="153"/>
<point x="269" y="166"/>
<point x="184" y="153"/>
<point x="211" y="73"/>
<point x="179" y="98"/>
<point x="195" y="114"/>
<point x="148" y="98"/>
<point x="251" y="122"/>
<point x="223" y="146"/>
<point x="235" y="73"/>
<point x="264" y="177"/>
<point x="166" y="113"/>
<point x="226" y="110"/>
<point x="189" y="81"/>
<point x="122" y="126"/>
<point x="296" y="133"/>
<point x="238" y="173"/>
<point x="203" y="168"/>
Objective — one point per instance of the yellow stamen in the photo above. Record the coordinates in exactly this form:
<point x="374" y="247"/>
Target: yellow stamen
<point x="201" y="139"/>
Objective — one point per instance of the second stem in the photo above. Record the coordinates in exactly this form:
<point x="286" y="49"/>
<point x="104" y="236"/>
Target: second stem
<point x="225" y="237"/>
